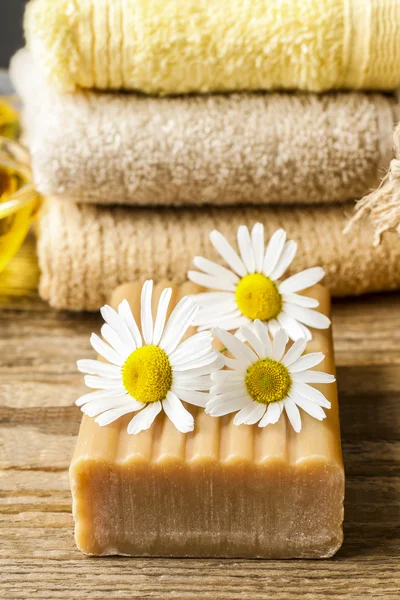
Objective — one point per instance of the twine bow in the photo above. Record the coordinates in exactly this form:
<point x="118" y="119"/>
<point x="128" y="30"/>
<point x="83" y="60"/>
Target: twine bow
<point x="383" y="204"/>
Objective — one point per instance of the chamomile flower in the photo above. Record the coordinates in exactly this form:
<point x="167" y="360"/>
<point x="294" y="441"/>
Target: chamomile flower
<point x="263" y="380"/>
<point x="150" y="371"/>
<point x="252" y="288"/>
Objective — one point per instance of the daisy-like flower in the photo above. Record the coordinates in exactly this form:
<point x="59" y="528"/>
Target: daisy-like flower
<point x="263" y="379"/>
<point x="149" y="371"/>
<point x="252" y="288"/>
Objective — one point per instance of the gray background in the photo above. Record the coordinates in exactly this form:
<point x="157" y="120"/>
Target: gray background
<point x="11" y="37"/>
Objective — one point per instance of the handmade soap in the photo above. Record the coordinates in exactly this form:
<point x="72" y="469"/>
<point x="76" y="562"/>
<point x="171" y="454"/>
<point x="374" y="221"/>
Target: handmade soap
<point x="220" y="491"/>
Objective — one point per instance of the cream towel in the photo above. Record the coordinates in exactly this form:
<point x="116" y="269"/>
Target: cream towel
<point x="179" y="46"/>
<point x="86" y="251"/>
<point x="226" y="149"/>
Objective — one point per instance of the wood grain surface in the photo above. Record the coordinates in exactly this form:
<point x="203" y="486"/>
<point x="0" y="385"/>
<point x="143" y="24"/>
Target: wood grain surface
<point x="38" y="428"/>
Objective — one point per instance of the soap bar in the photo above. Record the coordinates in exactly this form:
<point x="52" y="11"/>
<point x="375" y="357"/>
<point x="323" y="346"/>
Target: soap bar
<point x="220" y="491"/>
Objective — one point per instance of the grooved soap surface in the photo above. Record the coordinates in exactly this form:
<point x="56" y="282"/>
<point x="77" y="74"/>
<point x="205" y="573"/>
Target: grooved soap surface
<point x="222" y="490"/>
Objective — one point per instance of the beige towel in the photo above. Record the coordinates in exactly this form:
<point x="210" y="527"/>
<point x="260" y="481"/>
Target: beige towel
<point x="228" y="149"/>
<point x="86" y="251"/>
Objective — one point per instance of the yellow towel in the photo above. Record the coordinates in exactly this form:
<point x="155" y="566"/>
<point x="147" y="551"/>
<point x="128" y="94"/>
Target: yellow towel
<point x="178" y="46"/>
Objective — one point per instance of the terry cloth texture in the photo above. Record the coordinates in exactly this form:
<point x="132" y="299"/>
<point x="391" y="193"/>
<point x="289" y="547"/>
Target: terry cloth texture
<point x="86" y="251"/>
<point x="223" y="149"/>
<point x="179" y="46"/>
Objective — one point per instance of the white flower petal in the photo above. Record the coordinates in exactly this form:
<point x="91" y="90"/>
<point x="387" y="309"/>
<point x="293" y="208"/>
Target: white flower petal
<point x="226" y="396"/>
<point x="302" y="280"/>
<point x="194" y="341"/>
<point x="200" y="351"/>
<point x="195" y="347"/>
<point x="257" y="239"/>
<point x="212" y="268"/>
<point x="225" y="387"/>
<point x="300" y="300"/>
<point x="180" y="320"/>
<point x="191" y="396"/>
<point x="162" y="310"/>
<point x="237" y="365"/>
<point x="237" y="348"/>
<point x="202" y="361"/>
<point x="286" y="259"/>
<point x="225" y="250"/>
<point x="96" y="367"/>
<point x="246" y="248"/>
<point x="186" y="382"/>
<point x="106" y="351"/>
<point x="308" y="361"/>
<point x="215" y="316"/>
<point x="250" y="414"/>
<point x="146" y="315"/>
<point x="294" y="352"/>
<point x="228" y="375"/>
<point x="112" y="415"/>
<point x="293" y="414"/>
<point x="279" y="344"/>
<point x="262" y="334"/>
<point x="311" y="394"/>
<point x="102" y="383"/>
<point x="100" y="395"/>
<point x="196" y="352"/>
<point x="115" y="341"/>
<point x="291" y="326"/>
<point x="308" y="316"/>
<point x="274" y="251"/>
<point x="273" y="326"/>
<point x="225" y="408"/>
<point x="144" y="419"/>
<point x="124" y="311"/>
<point x="272" y="415"/>
<point x="117" y="323"/>
<point x="212" y="299"/>
<point x="95" y="408"/>
<point x="177" y="333"/>
<point x="211" y="282"/>
<point x="309" y="407"/>
<point x="254" y="341"/>
<point x="217" y="363"/>
<point x="306" y="332"/>
<point x="231" y="324"/>
<point x="175" y="411"/>
<point x="313" y="377"/>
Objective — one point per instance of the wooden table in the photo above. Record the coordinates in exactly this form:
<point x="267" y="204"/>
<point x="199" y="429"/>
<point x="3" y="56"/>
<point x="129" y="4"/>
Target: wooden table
<point x="39" y="424"/>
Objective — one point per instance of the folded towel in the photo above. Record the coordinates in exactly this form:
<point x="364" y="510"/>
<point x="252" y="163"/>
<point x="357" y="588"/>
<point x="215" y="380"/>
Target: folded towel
<point x="224" y="149"/>
<point x="85" y="251"/>
<point x="178" y="46"/>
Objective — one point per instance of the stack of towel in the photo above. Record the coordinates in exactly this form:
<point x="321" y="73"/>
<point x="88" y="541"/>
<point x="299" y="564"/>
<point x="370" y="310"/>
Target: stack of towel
<point x="180" y="157"/>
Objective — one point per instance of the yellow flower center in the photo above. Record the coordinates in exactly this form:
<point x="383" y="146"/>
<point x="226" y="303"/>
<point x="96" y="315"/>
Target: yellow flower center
<point x="257" y="297"/>
<point x="268" y="380"/>
<point x="147" y="374"/>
